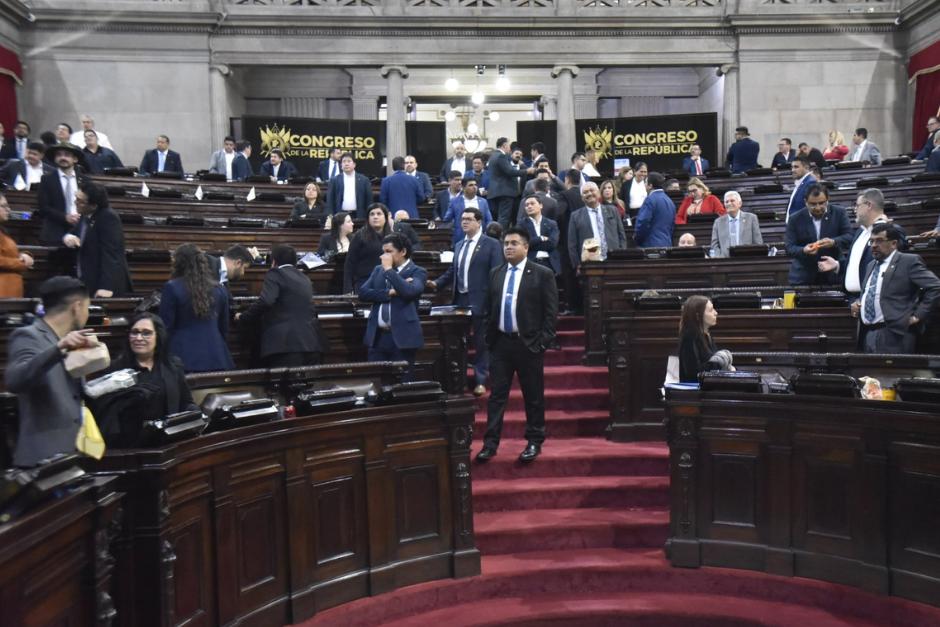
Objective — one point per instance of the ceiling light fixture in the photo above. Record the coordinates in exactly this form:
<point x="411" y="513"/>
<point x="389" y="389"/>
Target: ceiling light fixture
<point x="478" y="98"/>
<point x="451" y="84"/>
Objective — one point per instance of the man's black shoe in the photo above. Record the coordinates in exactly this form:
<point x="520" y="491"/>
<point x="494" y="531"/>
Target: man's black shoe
<point x="486" y="454"/>
<point x="530" y="453"/>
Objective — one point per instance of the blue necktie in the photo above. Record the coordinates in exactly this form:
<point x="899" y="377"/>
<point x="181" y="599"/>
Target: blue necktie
<point x="385" y="311"/>
<point x="507" y="301"/>
<point x="461" y="266"/>
<point x="161" y="161"/>
<point x="870" y="296"/>
<point x="733" y="224"/>
<point x="601" y="235"/>
<point x="335" y="169"/>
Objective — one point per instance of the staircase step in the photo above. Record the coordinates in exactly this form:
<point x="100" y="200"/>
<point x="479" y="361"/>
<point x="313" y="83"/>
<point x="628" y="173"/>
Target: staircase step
<point x="570" y="323"/>
<point x="558" y="423"/>
<point x="571" y="338"/>
<point x="566" y="356"/>
<point x="557" y="398"/>
<point x="576" y="377"/>
<point x="570" y="492"/>
<point x="565" y="529"/>
<point x="567" y="457"/>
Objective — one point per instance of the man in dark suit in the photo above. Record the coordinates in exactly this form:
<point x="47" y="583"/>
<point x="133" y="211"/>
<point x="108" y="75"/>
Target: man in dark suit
<point x="459" y="162"/>
<point x="30" y="170"/>
<point x="49" y="400"/>
<point x="97" y="157"/>
<point x="818" y="230"/>
<point x="543" y="235"/>
<point x="594" y="220"/>
<point x="393" y="332"/>
<point x="477" y="170"/>
<point x="241" y="167"/>
<point x="55" y="205"/>
<point x="7" y="146"/>
<point x="744" y="152"/>
<point x="349" y="191"/>
<point x="231" y="267"/>
<point x="400" y="225"/>
<point x="475" y="256"/>
<point x="656" y="218"/>
<point x="933" y="125"/>
<point x="20" y="141"/>
<point x="401" y="192"/>
<point x="785" y="153"/>
<point x="541" y="187"/>
<point x="503" y="186"/>
<point x="444" y="197"/>
<point x="284" y="312"/>
<point x="277" y="168"/>
<point x="933" y="161"/>
<point x="802" y="180"/>
<point x="161" y="158"/>
<point x="521" y="306"/>
<point x="99" y="238"/>
<point x="814" y="155"/>
<point x="331" y="167"/>
<point x="898" y="295"/>
<point x="695" y="164"/>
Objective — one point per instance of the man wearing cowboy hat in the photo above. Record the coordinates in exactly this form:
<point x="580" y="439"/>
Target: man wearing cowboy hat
<point x="56" y="202"/>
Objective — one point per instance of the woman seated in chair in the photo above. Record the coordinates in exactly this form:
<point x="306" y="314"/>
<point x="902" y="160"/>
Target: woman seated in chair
<point x="699" y="201"/>
<point x="310" y="205"/>
<point x="697" y="352"/>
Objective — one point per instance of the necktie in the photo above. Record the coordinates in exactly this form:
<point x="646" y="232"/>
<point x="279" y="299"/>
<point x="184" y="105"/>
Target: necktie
<point x="507" y="301"/>
<point x="81" y="237"/>
<point x="698" y="166"/>
<point x="733" y="225"/>
<point x="21" y="148"/>
<point x="69" y="196"/>
<point x="161" y="161"/>
<point x="385" y="311"/>
<point x="462" y="265"/>
<point x="335" y="169"/>
<point x="599" y="222"/>
<point x="870" y="295"/>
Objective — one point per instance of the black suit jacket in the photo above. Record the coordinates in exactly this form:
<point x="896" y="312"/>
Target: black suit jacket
<point x="50" y="208"/>
<point x="801" y="231"/>
<point x="448" y="167"/>
<point x="536" y="306"/>
<point x="323" y="171"/>
<point x="8" y="150"/>
<point x="241" y="168"/>
<point x="285" y="313"/>
<point x="101" y="259"/>
<point x="285" y="172"/>
<point x="150" y="162"/>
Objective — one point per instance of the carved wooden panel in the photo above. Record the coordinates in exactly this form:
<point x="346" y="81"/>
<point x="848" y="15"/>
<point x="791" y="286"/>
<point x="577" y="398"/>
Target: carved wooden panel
<point x="193" y="581"/>
<point x="826" y="492"/>
<point x="915" y="516"/>
<point x="337" y="499"/>
<point x="734" y="495"/>
<point x="417" y="516"/>
<point x="53" y="592"/>
<point x="260" y="520"/>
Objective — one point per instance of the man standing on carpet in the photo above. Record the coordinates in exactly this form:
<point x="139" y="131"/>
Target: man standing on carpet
<point x="521" y="306"/>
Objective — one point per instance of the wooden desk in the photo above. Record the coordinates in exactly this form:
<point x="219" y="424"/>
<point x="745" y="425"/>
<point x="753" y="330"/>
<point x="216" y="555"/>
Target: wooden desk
<point x="55" y="560"/>
<point x="837" y="489"/>
<point x="641" y="341"/>
<point x="270" y="524"/>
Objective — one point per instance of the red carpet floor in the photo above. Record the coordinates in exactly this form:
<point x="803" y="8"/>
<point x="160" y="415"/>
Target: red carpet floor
<point x="576" y="539"/>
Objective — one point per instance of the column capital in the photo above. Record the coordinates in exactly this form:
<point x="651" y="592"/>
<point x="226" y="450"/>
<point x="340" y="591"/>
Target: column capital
<point x="388" y="69"/>
<point x="727" y="68"/>
<point x="558" y="69"/>
<point x="222" y="69"/>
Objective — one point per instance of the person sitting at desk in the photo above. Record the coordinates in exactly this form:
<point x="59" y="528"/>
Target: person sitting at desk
<point x="277" y="168"/>
<point x="400" y="225"/>
<point x="13" y="263"/>
<point x="699" y="201"/>
<point x="836" y="149"/>
<point x="697" y="352"/>
<point x="735" y="228"/>
<point x="686" y="240"/>
<point x="337" y="240"/>
<point x="310" y="205"/>
<point x="365" y="247"/>
<point x="816" y="231"/>
<point x="161" y="158"/>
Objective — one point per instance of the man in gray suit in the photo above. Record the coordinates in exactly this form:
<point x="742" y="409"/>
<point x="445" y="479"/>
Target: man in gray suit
<point x="735" y="228"/>
<point x="594" y="220"/>
<point x="898" y="295"/>
<point x="221" y="161"/>
<point x="865" y="150"/>
<point x="50" y="401"/>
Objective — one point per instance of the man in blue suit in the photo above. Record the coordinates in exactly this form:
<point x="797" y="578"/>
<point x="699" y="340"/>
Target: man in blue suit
<point x="349" y="191"/>
<point x="742" y="156"/>
<point x="444" y="197"/>
<point x="411" y="168"/>
<point x="241" y="167"/>
<point x="330" y="167"/>
<point x="400" y="192"/>
<point x="467" y="200"/>
<point x="817" y="231"/>
<point x="161" y="158"/>
<point x="475" y="257"/>
<point x="802" y="179"/>
<point x="394" y="287"/>
<point x="695" y="164"/>
<point x="657" y="216"/>
<point x="543" y="235"/>
<point x="277" y="168"/>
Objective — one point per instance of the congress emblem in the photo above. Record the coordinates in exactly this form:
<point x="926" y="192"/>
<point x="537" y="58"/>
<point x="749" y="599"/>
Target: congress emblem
<point x="272" y="138"/>
<point x="599" y="140"/>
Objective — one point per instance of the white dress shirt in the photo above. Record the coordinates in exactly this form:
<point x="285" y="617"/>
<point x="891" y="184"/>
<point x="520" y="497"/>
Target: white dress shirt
<point x="69" y="186"/>
<point x="471" y="202"/>
<point x="538" y="233"/>
<point x="33" y="175"/>
<point x="21" y="147"/>
<point x="857" y="155"/>
<point x="275" y="169"/>
<point x="229" y="157"/>
<point x="458" y="165"/>
<point x="349" y="192"/>
<point x="515" y="296"/>
<point x="880" y="269"/>
<point x="472" y="243"/>
<point x="637" y="193"/>
<point x="855" y="260"/>
<point x="78" y="138"/>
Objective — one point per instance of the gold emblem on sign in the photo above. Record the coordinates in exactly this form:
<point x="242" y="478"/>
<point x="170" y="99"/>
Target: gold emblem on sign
<point x="272" y="138"/>
<point x="599" y="140"/>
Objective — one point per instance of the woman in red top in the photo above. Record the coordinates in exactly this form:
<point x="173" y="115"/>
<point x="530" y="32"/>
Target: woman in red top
<point x="699" y="200"/>
<point x="837" y="148"/>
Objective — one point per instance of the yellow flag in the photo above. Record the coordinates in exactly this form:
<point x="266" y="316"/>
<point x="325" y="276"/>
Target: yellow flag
<point x="89" y="440"/>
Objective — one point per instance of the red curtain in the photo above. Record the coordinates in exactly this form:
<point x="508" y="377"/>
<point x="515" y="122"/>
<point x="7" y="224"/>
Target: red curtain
<point x="924" y="67"/>
<point x="11" y="75"/>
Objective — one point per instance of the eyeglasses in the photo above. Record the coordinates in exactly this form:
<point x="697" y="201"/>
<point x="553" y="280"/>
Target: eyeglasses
<point x="146" y="333"/>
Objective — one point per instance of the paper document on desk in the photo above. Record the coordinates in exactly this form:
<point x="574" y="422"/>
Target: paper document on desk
<point x="312" y="260"/>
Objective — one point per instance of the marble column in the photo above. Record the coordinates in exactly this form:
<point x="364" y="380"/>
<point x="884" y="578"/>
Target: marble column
<point x="220" y="111"/>
<point x="730" y="108"/>
<point x="303" y="107"/>
<point x="549" y="107"/>
<point x="395" y="124"/>
<point x="565" y="140"/>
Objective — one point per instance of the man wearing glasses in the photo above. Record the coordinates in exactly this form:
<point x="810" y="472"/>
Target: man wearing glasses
<point x="816" y="231"/>
<point x="897" y="297"/>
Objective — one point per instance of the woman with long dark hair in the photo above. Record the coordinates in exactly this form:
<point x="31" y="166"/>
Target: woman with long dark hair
<point x="697" y="350"/>
<point x="337" y="240"/>
<point x="195" y="309"/>
<point x="310" y="206"/>
<point x="365" y="248"/>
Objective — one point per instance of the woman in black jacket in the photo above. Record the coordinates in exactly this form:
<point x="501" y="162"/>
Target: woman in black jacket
<point x="365" y="248"/>
<point x="337" y="240"/>
<point x="310" y="205"/>
<point x="696" y="348"/>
